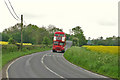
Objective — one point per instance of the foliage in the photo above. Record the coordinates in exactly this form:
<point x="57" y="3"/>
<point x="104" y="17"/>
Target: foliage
<point x="9" y="48"/>
<point x="109" y="41"/>
<point x="11" y="41"/>
<point x="31" y="34"/>
<point x="68" y="36"/>
<point x="5" y="36"/>
<point x="106" y="64"/>
<point x="75" y="41"/>
<point x="78" y="33"/>
<point x="46" y="40"/>
<point x="53" y="29"/>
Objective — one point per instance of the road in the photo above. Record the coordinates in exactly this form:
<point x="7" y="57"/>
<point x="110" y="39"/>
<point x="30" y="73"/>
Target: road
<point x="47" y="65"/>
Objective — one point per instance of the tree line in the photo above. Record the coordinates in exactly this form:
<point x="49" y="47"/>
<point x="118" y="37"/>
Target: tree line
<point x="78" y="39"/>
<point x="31" y="34"/>
<point x="42" y="35"/>
<point x="109" y="41"/>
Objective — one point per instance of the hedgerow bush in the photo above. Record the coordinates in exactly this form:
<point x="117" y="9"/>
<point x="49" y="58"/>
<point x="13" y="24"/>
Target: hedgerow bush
<point x="9" y="48"/>
<point x="13" y="47"/>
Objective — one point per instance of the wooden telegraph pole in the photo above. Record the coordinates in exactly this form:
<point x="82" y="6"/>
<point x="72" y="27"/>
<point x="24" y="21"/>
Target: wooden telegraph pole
<point x="21" y="31"/>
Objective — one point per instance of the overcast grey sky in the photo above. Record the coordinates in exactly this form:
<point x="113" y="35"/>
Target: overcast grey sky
<point x="96" y="17"/>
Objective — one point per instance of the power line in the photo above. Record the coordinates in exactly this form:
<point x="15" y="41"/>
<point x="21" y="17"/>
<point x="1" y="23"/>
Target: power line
<point x="10" y="11"/>
<point x="15" y="12"/>
<point x="13" y="9"/>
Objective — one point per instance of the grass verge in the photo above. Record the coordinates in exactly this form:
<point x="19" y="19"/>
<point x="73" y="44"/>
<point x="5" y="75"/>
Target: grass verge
<point x="105" y="64"/>
<point x="8" y="56"/>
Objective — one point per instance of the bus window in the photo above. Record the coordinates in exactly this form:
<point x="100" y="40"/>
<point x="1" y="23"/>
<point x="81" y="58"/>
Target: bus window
<point x="55" y="43"/>
<point x="56" y="34"/>
<point x="59" y="38"/>
<point x="62" y="35"/>
<point x="61" y="43"/>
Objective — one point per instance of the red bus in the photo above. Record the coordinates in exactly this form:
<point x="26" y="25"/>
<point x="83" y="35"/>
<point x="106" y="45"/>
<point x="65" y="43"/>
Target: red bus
<point x="59" y="42"/>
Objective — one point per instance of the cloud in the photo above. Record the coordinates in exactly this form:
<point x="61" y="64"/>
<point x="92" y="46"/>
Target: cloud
<point x="34" y="16"/>
<point x="105" y="23"/>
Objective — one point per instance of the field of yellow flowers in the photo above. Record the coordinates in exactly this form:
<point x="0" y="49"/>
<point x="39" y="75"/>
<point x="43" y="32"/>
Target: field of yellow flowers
<point x="104" y="49"/>
<point x="6" y="43"/>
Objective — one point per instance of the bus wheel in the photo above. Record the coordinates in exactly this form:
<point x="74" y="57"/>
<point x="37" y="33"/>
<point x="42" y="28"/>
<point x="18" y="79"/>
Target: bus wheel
<point x="54" y="51"/>
<point x="63" y="51"/>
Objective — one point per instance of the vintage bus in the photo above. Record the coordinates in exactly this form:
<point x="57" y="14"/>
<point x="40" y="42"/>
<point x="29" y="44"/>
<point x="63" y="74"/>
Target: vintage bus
<point x="59" y="42"/>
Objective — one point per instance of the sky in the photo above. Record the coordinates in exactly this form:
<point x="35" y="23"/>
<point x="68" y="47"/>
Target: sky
<point x="96" y="17"/>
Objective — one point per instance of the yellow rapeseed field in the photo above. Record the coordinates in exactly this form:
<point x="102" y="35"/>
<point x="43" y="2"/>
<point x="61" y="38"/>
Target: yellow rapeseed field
<point x="5" y="43"/>
<point x="104" y="49"/>
<point x="25" y="43"/>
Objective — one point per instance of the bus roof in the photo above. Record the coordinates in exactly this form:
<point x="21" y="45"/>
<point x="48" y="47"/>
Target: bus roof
<point x="59" y="33"/>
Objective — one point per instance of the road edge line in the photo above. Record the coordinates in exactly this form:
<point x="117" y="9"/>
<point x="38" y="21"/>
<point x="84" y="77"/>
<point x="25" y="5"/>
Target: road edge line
<point x="84" y="69"/>
<point x="12" y="63"/>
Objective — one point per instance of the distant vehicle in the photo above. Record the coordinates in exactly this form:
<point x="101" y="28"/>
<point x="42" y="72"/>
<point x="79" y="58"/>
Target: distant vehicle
<point x="59" y="42"/>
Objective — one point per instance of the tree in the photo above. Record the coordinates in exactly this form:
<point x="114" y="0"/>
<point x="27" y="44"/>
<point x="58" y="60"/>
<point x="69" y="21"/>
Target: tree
<point x="46" y="41"/>
<point x="5" y="36"/>
<point x="68" y="36"/>
<point x="78" y="32"/>
<point x="75" y="41"/>
<point x="109" y="41"/>
<point x="53" y="29"/>
<point x="11" y="41"/>
<point x="31" y="33"/>
<point x="34" y="34"/>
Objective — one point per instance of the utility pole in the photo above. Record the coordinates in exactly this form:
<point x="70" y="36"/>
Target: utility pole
<point x="21" y="31"/>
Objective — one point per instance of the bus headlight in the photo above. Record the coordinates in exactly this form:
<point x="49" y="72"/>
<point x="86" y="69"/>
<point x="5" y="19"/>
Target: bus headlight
<point x="63" y="38"/>
<point x="55" y="38"/>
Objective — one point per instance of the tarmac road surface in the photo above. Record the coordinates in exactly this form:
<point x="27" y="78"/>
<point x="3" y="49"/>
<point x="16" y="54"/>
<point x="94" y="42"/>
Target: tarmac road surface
<point x="48" y="65"/>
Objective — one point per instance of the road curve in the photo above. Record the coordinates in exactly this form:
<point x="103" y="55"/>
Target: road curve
<point x="47" y="65"/>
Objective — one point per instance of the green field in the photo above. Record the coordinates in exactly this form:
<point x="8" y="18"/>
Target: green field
<point x="105" y="64"/>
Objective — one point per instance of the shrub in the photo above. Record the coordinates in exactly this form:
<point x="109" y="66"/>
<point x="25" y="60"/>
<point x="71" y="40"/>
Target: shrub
<point x="46" y="41"/>
<point x="11" y="48"/>
<point x="11" y="41"/>
<point x="28" y="47"/>
<point x="75" y="41"/>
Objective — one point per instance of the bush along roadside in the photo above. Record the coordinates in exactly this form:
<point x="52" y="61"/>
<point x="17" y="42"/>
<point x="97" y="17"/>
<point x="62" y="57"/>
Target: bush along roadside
<point x="12" y="51"/>
<point x="105" y="64"/>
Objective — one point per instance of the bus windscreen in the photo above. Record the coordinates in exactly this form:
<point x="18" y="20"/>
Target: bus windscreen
<point x="62" y="35"/>
<point x="61" y="43"/>
<point x="56" y="34"/>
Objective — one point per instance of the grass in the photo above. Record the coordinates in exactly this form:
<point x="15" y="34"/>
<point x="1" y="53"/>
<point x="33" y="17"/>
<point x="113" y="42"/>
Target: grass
<point x="105" y="64"/>
<point x="8" y="56"/>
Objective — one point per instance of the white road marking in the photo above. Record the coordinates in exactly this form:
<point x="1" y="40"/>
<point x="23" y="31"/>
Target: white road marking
<point x="54" y="55"/>
<point x="13" y="62"/>
<point x="28" y="61"/>
<point x="49" y="68"/>
<point x="10" y="65"/>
